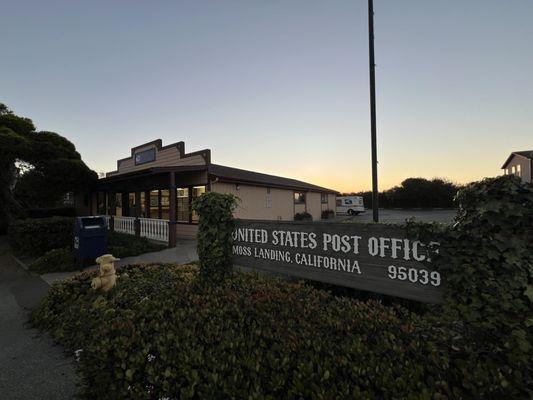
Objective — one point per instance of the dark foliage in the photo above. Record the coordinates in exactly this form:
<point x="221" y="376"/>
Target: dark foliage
<point x="303" y="216"/>
<point x="123" y="245"/>
<point x="327" y="214"/>
<point x="35" y="237"/>
<point x="487" y="259"/>
<point x="50" y="238"/>
<point x="416" y="193"/>
<point x="52" y="167"/>
<point x="57" y="260"/>
<point x="159" y="334"/>
<point x="51" y="212"/>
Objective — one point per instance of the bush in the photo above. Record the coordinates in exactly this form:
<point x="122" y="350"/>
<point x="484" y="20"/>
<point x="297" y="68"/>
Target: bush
<point x="327" y="214"/>
<point x="488" y="259"/>
<point x="215" y="229"/>
<point x="158" y="334"/>
<point x="51" y="212"/>
<point x="303" y="216"/>
<point x="123" y="245"/>
<point x="56" y="260"/>
<point x="415" y="193"/>
<point x="37" y="236"/>
<point x="51" y="239"/>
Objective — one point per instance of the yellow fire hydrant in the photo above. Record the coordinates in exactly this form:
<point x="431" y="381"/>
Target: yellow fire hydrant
<point x="107" y="277"/>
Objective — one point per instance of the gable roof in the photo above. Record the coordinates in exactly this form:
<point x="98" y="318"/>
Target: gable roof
<point x="526" y="154"/>
<point x="236" y="175"/>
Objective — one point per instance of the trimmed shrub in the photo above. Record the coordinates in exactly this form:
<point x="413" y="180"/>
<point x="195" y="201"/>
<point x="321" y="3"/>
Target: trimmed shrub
<point x="215" y="229"/>
<point x="51" y="212"/>
<point x="303" y="216"/>
<point x="327" y="214"/>
<point x="158" y="334"/>
<point x="488" y="264"/>
<point x="37" y="236"/>
<point x="123" y="245"/>
<point x="55" y="261"/>
<point x="486" y="258"/>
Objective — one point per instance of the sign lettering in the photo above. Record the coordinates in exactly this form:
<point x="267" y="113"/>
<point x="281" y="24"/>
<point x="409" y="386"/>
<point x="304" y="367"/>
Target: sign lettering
<point x="377" y="258"/>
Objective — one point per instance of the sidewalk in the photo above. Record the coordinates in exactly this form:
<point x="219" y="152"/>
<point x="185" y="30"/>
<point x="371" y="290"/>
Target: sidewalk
<point x="183" y="253"/>
<point x="31" y="367"/>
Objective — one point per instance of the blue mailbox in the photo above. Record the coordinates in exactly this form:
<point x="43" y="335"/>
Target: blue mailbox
<point x="90" y="237"/>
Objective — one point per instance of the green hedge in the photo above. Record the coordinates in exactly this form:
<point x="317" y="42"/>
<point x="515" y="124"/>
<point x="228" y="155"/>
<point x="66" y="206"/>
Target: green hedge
<point x="215" y="229"/>
<point x="121" y="245"/>
<point x="160" y="334"/>
<point x="37" y="236"/>
<point x="488" y="262"/>
<point x="303" y="216"/>
<point x="56" y="260"/>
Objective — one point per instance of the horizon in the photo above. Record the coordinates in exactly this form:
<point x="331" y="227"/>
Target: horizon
<point x="279" y="88"/>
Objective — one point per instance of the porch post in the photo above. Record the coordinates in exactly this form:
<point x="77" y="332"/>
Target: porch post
<point x="137" y="223"/>
<point x="159" y="209"/>
<point x="172" y="211"/>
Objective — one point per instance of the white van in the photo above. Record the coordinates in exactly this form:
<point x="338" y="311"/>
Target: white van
<point x="351" y="205"/>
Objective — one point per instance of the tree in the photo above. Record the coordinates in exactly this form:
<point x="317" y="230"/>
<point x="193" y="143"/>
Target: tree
<point x="36" y="168"/>
<point x="416" y="192"/>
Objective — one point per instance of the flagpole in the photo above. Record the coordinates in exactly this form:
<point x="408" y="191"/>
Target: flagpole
<point x="372" y="65"/>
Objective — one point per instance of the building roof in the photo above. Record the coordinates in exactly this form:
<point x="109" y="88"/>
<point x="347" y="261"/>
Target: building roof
<point x="230" y="174"/>
<point x="526" y="154"/>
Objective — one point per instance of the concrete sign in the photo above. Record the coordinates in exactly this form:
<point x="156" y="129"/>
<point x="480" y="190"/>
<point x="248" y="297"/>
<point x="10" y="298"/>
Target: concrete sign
<point x="377" y="258"/>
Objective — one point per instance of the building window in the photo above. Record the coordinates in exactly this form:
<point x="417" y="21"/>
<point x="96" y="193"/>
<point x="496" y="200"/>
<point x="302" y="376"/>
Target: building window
<point x="118" y="204"/>
<point x="182" y="203"/>
<point x="131" y="204"/>
<point x="324" y="198"/>
<point x="299" y="198"/>
<point x="165" y="204"/>
<point x="144" y="212"/>
<point x="519" y="170"/>
<point x="268" y="198"/>
<point x="197" y="191"/>
<point x="154" y="204"/>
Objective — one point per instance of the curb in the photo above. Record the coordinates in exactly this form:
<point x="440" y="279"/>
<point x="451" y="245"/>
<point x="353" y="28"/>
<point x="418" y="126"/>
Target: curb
<point x="23" y="265"/>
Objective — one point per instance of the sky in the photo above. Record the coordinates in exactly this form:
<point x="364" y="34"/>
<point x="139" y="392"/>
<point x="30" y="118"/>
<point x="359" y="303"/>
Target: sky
<point x="279" y="87"/>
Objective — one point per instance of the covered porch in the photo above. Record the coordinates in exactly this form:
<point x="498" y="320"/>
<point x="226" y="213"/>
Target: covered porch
<point x="155" y="203"/>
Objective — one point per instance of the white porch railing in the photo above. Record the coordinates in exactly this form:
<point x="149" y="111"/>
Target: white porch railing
<point x="156" y="229"/>
<point x="107" y="219"/>
<point x="125" y="224"/>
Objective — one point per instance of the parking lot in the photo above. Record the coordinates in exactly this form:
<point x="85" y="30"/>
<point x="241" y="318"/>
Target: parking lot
<point x="399" y="216"/>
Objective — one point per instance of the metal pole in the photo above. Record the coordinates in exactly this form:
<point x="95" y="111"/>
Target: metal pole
<point x="375" y="212"/>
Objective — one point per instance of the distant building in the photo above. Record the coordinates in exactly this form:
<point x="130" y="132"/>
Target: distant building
<point x="157" y="185"/>
<point x="520" y="163"/>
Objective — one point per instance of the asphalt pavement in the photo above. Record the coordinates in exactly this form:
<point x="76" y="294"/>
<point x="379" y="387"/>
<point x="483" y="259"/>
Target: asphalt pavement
<point x="31" y="366"/>
<point x="392" y="216"/>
